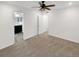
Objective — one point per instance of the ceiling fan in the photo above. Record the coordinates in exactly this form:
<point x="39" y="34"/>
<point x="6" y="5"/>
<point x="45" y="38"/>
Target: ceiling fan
<point x="44" y="7"/>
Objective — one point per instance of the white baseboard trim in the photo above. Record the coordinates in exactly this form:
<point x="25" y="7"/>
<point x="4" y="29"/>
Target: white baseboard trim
<point x="65" y="38"/>
<point x="42" y="32"/>
<point x="27" y="37"/>
<point x="7" y="45"/>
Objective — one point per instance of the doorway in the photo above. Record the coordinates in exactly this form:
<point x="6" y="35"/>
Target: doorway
<point x="42" y="24"/>
<point x="18" y="26"/>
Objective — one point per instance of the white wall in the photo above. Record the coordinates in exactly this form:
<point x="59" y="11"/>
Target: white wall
<point x="30" y="23"/>
<point x="7" y="24"/>
<point x="64" y="23"/>
<point x="43" y="23"/>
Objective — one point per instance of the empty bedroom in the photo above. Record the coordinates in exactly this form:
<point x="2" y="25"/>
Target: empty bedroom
<point x="39" y="28"/>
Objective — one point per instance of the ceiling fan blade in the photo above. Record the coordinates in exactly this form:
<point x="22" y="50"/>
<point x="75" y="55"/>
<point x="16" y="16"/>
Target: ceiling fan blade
<point x="47" y="8"/>
<point x="50" y="5"/>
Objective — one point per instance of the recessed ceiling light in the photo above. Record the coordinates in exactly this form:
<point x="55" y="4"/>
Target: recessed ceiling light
<point x="70" y="3"/>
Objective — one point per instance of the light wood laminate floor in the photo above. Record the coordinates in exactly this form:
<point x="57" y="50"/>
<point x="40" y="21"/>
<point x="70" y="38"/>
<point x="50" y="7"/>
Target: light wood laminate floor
<point x="41" y="46"/>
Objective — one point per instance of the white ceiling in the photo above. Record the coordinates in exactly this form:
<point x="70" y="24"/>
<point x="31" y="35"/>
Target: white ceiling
<point x="29" y="4"/>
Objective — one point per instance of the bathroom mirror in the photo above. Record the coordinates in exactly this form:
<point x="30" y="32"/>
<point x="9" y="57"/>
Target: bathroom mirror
<point x="18" y="18"/>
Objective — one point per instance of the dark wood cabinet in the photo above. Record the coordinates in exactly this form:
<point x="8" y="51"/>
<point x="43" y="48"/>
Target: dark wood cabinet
<point x="18" y="29"/>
